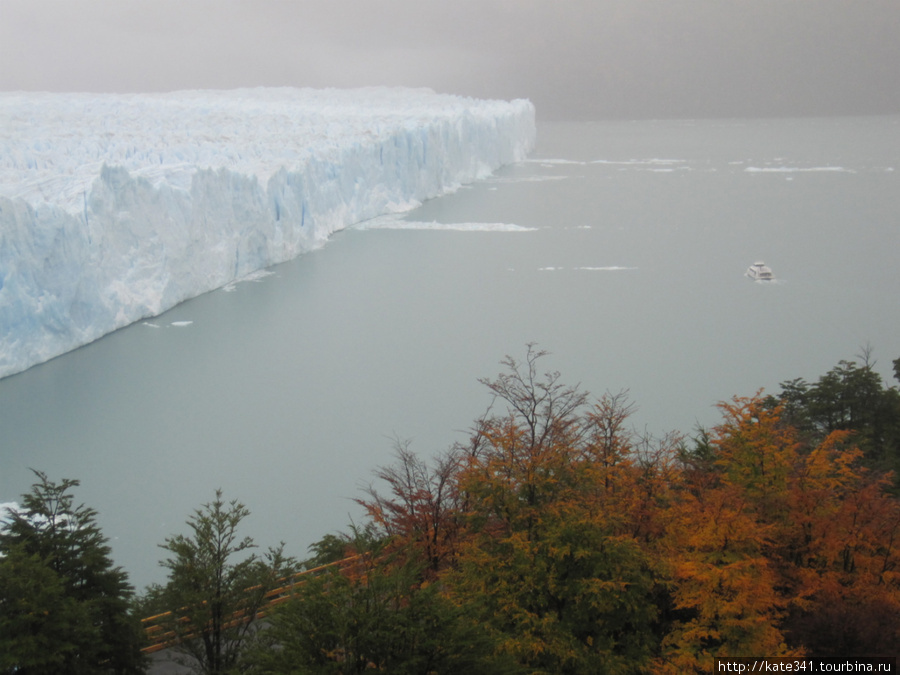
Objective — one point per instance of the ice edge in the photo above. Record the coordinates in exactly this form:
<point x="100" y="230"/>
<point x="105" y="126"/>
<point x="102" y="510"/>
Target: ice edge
<point x="140" y="240"/>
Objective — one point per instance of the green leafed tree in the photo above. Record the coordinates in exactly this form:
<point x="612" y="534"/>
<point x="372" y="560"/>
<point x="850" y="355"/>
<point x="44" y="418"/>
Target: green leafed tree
<point x="373" y="614"/>
<point x="216" y="587"/>
<point x="41" y="628"/>
<point x="64" y="607"/>
<point x="852" y="397"/>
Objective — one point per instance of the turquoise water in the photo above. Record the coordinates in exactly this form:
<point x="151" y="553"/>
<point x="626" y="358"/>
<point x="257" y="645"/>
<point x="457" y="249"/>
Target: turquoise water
<point x="287" y="391"/>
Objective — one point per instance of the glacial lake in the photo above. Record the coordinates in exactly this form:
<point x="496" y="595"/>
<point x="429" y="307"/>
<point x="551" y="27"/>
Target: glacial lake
<point x="288" y="390"/>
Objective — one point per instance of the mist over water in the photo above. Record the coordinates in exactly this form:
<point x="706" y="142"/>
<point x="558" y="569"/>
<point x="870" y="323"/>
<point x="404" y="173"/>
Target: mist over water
<point x="627" y="265"/>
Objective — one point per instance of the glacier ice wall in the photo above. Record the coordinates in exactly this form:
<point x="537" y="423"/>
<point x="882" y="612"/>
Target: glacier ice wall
<point x="114" y="208"/>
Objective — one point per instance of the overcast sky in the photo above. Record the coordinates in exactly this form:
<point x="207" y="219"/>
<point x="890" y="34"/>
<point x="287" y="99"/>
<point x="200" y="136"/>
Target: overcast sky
<point x="572" y="58"/>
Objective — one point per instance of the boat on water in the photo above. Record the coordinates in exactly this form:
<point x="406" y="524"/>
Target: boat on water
<point x="759" y="271"/>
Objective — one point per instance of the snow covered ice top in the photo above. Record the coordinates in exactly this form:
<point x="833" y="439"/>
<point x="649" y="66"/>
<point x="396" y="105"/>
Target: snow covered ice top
<point x="54" y="145"/>
<point x="117" y="207"/>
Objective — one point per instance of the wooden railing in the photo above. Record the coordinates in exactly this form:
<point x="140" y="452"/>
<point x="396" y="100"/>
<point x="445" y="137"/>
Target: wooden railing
<point x="160" y="636"/>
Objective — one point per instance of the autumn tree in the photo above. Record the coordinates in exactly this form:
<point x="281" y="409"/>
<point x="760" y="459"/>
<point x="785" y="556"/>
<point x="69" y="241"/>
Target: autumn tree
<point x="784" y="538"/>
<point x="625" y="477"/>
<point x="559" y="540"/>
<point x="839" y="554"/>
<point x="519" y="461"/>
<point x="609" y="444"/>
<point x="725" y="585"/>
<point x="421" y="511"/>
<point x="551" y="575"/>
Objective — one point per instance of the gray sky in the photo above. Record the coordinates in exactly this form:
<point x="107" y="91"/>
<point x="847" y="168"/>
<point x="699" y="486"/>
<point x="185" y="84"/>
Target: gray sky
<point x="573" y="58"/>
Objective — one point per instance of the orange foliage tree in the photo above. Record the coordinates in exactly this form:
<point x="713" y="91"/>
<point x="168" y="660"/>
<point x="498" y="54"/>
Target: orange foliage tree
<point x="421" y="512"/>
<point x="779" y="545"/>
<point x="581" y="546"/>
<point x="547" y="564"/>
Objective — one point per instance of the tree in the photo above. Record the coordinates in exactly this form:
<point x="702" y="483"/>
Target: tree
<point x="719" y="543"/>
<point x="573" y="600"/>
<point x="781" y="547"/>
<point x="838" y="554"/>
<point x="548" y="564"/>
<point x="543" y="408"/>
<point x="374" y="614"/>
<point x="422" y="511"/>
<point x="216" y="588"/>
<point x="329" y="549"/>
<point x="848" y="397"/>
<point x="41" y="628"/>
<point x="519" y="461"/>
<point x="724" y="587"/>
<point x="59" y="591"/>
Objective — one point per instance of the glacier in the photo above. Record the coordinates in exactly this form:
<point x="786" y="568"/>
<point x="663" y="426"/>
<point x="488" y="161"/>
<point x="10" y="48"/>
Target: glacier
<point x="116" y="207"/>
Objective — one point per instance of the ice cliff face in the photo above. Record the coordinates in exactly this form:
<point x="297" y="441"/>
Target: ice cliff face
<point x="117" y="207"/>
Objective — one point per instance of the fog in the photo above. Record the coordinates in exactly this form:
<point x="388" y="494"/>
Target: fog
<point x="576" y="59"/>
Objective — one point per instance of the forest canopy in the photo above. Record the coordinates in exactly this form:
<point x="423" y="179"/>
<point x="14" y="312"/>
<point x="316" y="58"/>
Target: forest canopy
<point x="555" y="539"/>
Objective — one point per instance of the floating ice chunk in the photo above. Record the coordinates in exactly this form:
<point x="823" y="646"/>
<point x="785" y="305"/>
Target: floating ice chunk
<point x="396" y="222"/>
<point x="552" y="162"/>
<point x="253" y="277"/>
<point x="797" y="169"/>
<point x="641" y="162"/>
<point x="525" y="179"/>
<point x="609" y="268"/>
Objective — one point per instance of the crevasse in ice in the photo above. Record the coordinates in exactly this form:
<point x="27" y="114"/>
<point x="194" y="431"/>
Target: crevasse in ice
<point x="114" y="208"/>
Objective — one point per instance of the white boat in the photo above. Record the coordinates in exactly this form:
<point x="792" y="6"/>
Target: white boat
<point x="759" y="271"/>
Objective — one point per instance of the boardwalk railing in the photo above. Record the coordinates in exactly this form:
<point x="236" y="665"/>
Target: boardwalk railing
<point x="160" y="636"/>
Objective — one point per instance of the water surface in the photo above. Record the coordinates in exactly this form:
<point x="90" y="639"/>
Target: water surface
<point x="287" y="391"/>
